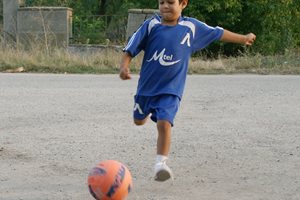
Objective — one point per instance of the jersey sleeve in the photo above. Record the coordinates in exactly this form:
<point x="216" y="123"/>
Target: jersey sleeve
<point x="138" y="40"/>
<point x="205" y="35"/>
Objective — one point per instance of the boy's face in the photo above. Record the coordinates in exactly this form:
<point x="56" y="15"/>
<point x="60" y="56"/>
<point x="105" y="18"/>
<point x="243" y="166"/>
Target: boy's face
<point x="170" y="10"/>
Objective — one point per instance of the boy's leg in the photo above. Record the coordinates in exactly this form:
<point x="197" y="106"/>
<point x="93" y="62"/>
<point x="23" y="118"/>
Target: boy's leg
<point x="164" y="137"/>
<point x="165" y="110"/>
<point x="161" y="170"/>
<point x="140" y="122"/>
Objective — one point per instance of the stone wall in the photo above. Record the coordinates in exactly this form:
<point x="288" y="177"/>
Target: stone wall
<point x="136" y="17"/>
<point x="10" y="9"/>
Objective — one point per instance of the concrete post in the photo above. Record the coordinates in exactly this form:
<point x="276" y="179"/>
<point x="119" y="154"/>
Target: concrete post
<point x="1" y="18"/>
<point x="10" y="10"/>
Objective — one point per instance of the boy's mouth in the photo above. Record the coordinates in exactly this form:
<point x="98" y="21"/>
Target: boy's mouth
<point x="167" y="13"/>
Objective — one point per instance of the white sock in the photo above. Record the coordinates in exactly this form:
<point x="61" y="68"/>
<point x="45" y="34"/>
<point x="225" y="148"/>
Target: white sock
<point x="161" y="158"/>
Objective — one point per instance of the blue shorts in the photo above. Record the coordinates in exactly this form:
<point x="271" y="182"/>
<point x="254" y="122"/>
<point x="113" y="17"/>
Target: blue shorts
<point x="161" y="107"/>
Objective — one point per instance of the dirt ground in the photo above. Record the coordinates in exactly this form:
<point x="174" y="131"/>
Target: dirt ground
<point x="236" y="137"/>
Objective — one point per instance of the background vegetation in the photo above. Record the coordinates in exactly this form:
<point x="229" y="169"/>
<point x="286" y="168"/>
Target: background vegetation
<point x="276" y="23"/>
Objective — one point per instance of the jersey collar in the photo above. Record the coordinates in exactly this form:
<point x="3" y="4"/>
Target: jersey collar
<point x="158" y="17"/>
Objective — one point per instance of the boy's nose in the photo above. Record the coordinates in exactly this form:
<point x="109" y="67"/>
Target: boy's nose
<point x="165" y="5"/>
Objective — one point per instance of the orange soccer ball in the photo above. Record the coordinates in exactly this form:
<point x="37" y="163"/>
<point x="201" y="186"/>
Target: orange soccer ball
<point x="110" y="180"/>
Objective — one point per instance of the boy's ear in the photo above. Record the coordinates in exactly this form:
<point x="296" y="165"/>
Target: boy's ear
<point x="184" y="3"/>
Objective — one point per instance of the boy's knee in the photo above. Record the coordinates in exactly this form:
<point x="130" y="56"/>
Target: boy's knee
<point x="163" y="124"/>
<point x="139" y="122"/>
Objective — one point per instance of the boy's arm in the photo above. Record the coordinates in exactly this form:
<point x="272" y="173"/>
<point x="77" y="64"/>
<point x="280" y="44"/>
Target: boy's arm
<point x="124" y="66"/>
<point x="229" y="36"/>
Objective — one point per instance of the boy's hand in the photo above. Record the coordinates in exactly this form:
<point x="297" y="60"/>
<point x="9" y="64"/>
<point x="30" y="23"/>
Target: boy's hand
<point x="125" y="73"/>
<point x="124" y="66"/>
<point x="250" y="38"/>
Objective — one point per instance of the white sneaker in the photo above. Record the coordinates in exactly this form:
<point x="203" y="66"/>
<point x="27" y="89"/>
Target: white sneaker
<point x="162" y="171"/>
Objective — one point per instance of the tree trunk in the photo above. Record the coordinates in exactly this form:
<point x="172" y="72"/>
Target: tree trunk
<point x="102" y="7"/>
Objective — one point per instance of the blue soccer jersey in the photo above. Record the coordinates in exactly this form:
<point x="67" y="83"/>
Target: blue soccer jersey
<point x="167" y="53"/>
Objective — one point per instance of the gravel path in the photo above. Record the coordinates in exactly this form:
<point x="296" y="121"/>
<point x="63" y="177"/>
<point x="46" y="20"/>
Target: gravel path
<point x="235" y="137"/>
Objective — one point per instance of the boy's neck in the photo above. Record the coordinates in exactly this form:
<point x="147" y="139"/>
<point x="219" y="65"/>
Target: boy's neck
<point x="169" y="23"/>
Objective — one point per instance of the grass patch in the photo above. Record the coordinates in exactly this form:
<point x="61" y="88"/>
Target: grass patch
<point x="289" y="63"/>
<point x="107" y="61"/>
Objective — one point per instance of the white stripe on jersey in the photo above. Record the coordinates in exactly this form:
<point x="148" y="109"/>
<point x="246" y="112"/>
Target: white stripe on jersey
<point x="152" y="23"/>
<point x="131" y="40"/>
<point x="190" y="25"/>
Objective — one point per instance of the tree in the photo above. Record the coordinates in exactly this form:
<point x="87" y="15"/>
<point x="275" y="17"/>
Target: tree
<point x="276" y="24"/>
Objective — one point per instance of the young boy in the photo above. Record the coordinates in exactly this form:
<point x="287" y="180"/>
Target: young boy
<point x="168" y="41"/>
